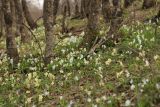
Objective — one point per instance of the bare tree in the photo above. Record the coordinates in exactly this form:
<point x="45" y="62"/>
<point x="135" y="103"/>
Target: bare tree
<point x="28" y="16"/>
<point x="1" y="20"/>
<point x="85" y="8"/>
<point x="55" y="7"/>
<point x="93" y="23"/>
<point x="64" y="28"/>
<point x="68" y="7"/>
<point x="76" y="13"/>
<point x="25" y="35"/>
<point x="49" y="21"/>
<point x="11" y="46"/>
<point x="112" y="15"/>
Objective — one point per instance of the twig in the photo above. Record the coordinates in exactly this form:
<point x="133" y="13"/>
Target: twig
<point x="36" y="40"/>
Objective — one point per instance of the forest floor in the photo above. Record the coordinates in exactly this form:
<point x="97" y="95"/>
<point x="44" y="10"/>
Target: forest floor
<point x="126" y="73"/>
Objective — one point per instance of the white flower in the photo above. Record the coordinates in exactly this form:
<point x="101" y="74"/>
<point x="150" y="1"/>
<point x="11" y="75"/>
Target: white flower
<point x="109" y="101"/>
<point x="61" y="97"/>
<point x="94" y="105"/>
<point x="100" y="68"/>
<point x="104" y="98"/>
<point x="76" y="78"/>
<point x="146" y="63"/>
<point x="70" y="104"/>
<point x="153" y="39"/>
<point x="86" y="62"/>
<point x="81" y="56"/>
<point x="73" y="39"/>
<point x="127" y="103"/>
<point x="108" y="61"/>
<point x="63" y="51"/>
<point x="137" y="58"/>
<point x="114" y="51"/>
<point x="46" y="93"/>
<point x="83" y="33"/>
<point x="11" y="61"/>
<point x="40" y="98"/>
<point x="34" y="74"/>
<point x="29" y="100"/>
<point x="145" y="81"/>
<point x="104" y="46"/>
<point x="33" y="68"/>
<point x="97" y="100"/>
<point x="89" y="100"/>
<point x="127" y="73"/>
<point x="71" y="60"/>
<point x="88" y="92"/>
<point x="51" y="62"/>
<point x="53" y="67"/>
<point x="158" y="86"/>
<point x="61" y="71"/>
<point x="121" y="63"/>
<point x="132" y="87"/>
<point x="131" y="81"/>
<point x="119" y="74"/>
<point x="33" y="105"/>
<point x="156" y="57"/>
<point x="29" y="76"/>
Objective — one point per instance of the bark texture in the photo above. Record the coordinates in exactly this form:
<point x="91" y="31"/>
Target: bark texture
<point x="11" y="46"/>
<point x="49" y="21"/>
<point x="25" y="35"/>
<point x="93" y="23"/>
<point x="1" y="20"/>
<point x="148" y="4"/>
<point x="28" y="16"/>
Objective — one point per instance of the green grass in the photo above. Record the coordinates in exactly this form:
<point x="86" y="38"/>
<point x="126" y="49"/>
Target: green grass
<point x="126" y="74"/>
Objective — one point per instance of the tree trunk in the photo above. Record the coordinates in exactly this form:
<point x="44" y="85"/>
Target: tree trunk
<point x="148" y="4"/>
<point x="64" y="29"/>
<point x="85" y="8"/>
<point x="112" y="16"/>
<point x="106" y="10"/>
<point x="25" y="35"/>
<point x="82" y="8"/>
<point x="77" y="13"/>
<point x="28" y="16"/>
<point x="93" y="23"/>
<point x="49" y="21"/>
<point x="1" y="20"/>
<point x="68" y="8"/>
<point x="55" y="7"/>
<point x="11" y="46"/>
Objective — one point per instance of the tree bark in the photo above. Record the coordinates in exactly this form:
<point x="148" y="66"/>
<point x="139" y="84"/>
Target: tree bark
<point x="11" y="46"/>
<point x="64" y="29"/>
<point x="68" y="8"/>
<point x="106" y="10"/>
<point x="112" y="16"/>
<point x="25" y="35"/>
<point x="148" y="4"/>
<point x="28" y="16"/>
<point x="127" y="3"/>
<point x="55" y="7"/>
<point x="1" y="20"/>
<point x="49" y="21"/>
<point x="93" y="23"/>
<point x="76" y="13"/>
<point x="85" y="8"/>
